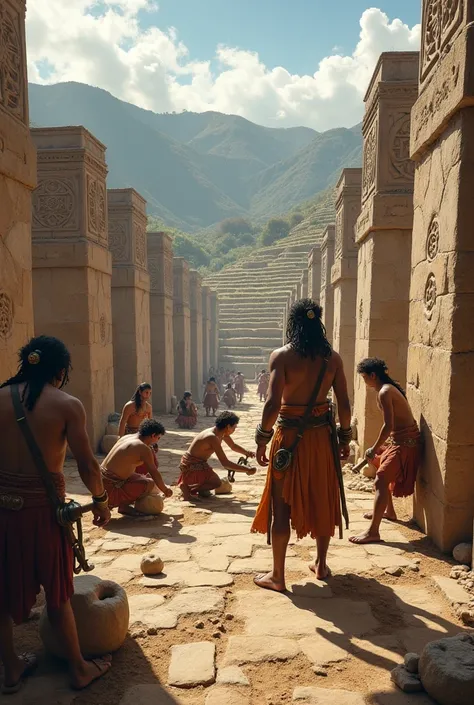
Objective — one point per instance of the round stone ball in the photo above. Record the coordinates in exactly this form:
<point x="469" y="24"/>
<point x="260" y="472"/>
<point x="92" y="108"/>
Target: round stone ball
<point x="462" y="553"/>
<point x="225" y="488"/>
<point x="108" y="443"/>
<point x="102" y="616"/>
<point x="150" y="504"/>
<point x="151" y="564"/>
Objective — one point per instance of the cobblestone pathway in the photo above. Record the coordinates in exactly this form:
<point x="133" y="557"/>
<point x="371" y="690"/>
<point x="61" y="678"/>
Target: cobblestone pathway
<point x="203" y="634"/>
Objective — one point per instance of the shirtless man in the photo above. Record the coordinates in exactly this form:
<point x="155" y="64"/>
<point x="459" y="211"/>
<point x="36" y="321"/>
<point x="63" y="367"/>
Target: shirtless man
<point x="211" y="397"/>
<point x="38" y="553"/>
<point x="239" y="385"/>
<point x="308" y="494"/>
<point x="395" y="454"/>
<point x="123" y="484"/>
<point x="136" y="410"/>
<point x="197" y="476"/>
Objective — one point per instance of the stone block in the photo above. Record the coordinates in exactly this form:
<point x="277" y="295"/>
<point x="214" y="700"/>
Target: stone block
<point x="192" y="665"/>
<point x="102" y="615"/>
<point x="447" y="670"/>
<point x="453" y="592"/>
<point x="256" y="649"/>
<point x="226" y="696"/>
<point x="322" y="696"/>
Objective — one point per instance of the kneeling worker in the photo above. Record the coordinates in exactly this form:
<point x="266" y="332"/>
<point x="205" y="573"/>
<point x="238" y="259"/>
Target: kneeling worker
<point x="124" y="485"/>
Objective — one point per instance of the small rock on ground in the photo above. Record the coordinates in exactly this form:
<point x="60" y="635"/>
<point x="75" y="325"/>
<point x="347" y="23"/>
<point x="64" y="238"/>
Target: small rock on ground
<point x="411" y="662"/>
<point x="192" y="664"/>
<point x="408" y="682"/>
<point x="232" y="675"/>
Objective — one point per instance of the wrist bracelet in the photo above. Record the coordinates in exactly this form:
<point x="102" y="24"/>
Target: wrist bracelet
<point x="262" y="438"/>
<point x="101" y="499"/>
<point x="344" y="435"/>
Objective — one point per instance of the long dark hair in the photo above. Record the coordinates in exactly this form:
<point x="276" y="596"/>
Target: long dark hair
<point x="137" y="398"/>
<point x="40" y="362"/>
<point x="305" y="331"/>
<point x="182" y="403"/>
<point x="376" y="366"/>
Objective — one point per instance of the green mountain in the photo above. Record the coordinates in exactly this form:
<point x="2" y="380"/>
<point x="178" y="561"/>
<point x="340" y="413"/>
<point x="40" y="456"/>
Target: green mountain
<point x="196" y="170"/>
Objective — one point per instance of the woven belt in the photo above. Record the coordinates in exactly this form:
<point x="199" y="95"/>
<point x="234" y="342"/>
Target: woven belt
<point x="313" y="422"/>
<point x="12" y="502"/>
<point x="409" y="442"/>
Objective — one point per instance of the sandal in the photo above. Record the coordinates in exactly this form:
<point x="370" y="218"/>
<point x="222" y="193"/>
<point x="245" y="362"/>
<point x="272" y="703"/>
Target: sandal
<point x="31" y="663"/>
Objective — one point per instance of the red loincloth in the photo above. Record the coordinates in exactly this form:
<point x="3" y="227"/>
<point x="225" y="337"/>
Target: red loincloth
<point x="399" y="459"/>
<point x="34" y="550"/>
<point x="310" y="485"/>
<point x="194" y="472"/>
<point x="123" y="492"/>
<point x="185" y="421"/>
<point x="211" y="401"/>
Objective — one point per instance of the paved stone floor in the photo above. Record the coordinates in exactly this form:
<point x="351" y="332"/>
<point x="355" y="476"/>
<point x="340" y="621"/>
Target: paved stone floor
<point x="202" y="634"/>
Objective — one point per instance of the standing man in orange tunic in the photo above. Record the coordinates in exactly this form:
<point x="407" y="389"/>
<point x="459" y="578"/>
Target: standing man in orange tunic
<point x="34" y="550"/>
<point x="396" y="453"/>
<point x="308" y="494"/>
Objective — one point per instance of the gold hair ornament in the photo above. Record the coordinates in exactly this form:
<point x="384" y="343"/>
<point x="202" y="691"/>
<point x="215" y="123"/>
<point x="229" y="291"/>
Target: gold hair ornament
<point x="34" y="357"/>
<point x="311" y="314"/>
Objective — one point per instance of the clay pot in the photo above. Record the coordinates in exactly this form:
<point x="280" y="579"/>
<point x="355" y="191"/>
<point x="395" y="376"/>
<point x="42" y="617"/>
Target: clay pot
<point x="151" y="564"/>
<point x="151" y="504"/>
<point x="225" y="488"/>
<point x="108" y="443"/>
<point x="102" y="615"/>
<point x="112" y="429"/>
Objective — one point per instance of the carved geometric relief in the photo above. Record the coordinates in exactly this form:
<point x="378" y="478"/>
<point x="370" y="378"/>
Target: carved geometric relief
<point x="11" y="69"/>
<point x="370" y="162"/>
<point x="324" y="262"/>
<point x="6" y="315"/>
<point x="140" y="244"/>
<point x="118" y="241"/>
<point x="54" y="203"/>
<point x="442" y="18"/>
<point x="103" y="330"/>
<point x="168" y="274"/>
<point x="185" y="289"/>
<point x="430" y="295"/>
<point x="338" y="243"/>
<point x="361" y="310"/>
<point x="401" y="166"/>
<point x="432" y="241"/>
<point x="96" y="207"/>
<point x="154" y="270"/>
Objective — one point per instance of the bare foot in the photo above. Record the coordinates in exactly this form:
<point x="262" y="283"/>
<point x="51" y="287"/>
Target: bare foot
<point x="26" y="665"/>
<point x="94" y="669"/>
<point x="322" y="572"/>
<point x="268" y="582"/>
<point x="387" y="515"/>
<point x="365" y="537"/>
<point x="129" y="511"/>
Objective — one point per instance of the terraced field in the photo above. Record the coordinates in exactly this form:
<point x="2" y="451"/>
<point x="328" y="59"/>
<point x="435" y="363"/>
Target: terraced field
<point x="253" y="293"/>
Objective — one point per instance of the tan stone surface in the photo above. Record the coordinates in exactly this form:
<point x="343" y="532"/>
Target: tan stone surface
<point x="72" y="265"/>
<point x="192" y="664"/>
<point x="232" y="675"/>
<point x="130" y="292"/>
<point x="181" y="327"/>
<point x="323" y="696"/>
<point x="17" y="179"/>
<point x="226" y="696"/>
<point x="149" y="695"/>
<point x="326" y="296"/>
<point x="197" y="367"/>
<point x="442" y="288"/>
<point x="258" y="649"/>
<point x="214" y="338"/>
<point x="383" y="231"/>
<point x="206" y="331"/>
<point x="160" y="266"/>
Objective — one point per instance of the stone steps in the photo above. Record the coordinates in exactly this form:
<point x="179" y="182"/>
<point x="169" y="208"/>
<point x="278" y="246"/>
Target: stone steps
<point x="237" y="343"/>
<point x="229" y="331"/>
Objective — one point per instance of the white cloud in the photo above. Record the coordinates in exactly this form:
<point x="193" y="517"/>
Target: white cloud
<point x="102" y="43"/>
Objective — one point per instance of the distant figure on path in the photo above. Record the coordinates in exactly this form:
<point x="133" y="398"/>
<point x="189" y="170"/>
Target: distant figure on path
<point x="136" y="410"/>
<point x="239" y="385"/>
<point x="229" y="398"/>
<point x="263" y="382"/>
<point x="308" y="492"/>
<point x="187" y="412"/>
<point x="396" y="453"/>
<point x="119" y="469"/>
<point x="211" y="397"/>
<point x="197" y="476"/>
<point x="34" y="550"/>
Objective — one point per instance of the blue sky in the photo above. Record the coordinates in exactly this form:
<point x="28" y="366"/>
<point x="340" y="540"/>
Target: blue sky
<point x="276" y="62"/>
<point x="295" y="34"/>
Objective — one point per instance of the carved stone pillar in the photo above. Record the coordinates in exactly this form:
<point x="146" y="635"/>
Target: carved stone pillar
<point x="130" y="292"/>
<point x="160" y="266"/>
<point x="441" y="357"/>
<point x="304" y="284"/>
<point x="181" y="327"/>
<point x="314" y="273"/>
<point x="72" y="264"/>
<point x="17" y="180"/>
<point x="344" y="270"/>
<point x="214" y="302"/>
<point x="326" y="297"/>
<point x="197" y="369"/>
<point x="206" y="332"/>
<point x="383" y="231"/>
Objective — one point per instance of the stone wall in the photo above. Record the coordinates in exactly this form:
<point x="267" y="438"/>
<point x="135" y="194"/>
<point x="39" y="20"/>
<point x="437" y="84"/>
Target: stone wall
<point x="314" y="273"/>
<point x="160" y="266"/>
<point x="130" y="292"/>
<point x="72" y="265"/>
<point x="214" y="354"/>
<point x="181" y="327"/>
<point x="441" y="351"/>
<point x="383" y="232"/>
<point x="197" y="369"/>
<point x="17" y="179"/>
<point x="326" y="297"/>
<point x="206" y="332"/>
